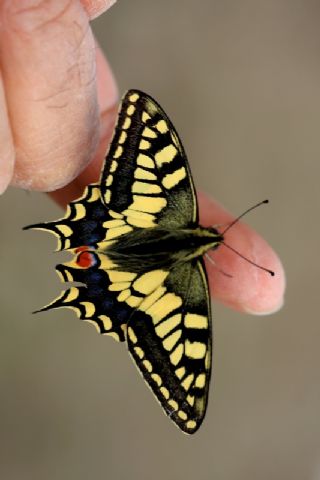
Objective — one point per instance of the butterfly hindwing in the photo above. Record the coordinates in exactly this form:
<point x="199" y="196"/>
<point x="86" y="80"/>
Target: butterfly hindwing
<point x="95" y="293"/>
<point x="83" y="223"/>
<point x="169" y="337"/>
<point x="101" y="293"/>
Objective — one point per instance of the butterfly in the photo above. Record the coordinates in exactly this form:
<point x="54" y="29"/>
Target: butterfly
<point x="137" y="271"/>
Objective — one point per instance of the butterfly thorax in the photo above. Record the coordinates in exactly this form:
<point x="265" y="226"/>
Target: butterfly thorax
<point x="145" y="249"/>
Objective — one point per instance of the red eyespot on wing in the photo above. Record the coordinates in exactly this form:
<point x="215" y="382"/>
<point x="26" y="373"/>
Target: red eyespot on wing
<point x="85" y="259"/>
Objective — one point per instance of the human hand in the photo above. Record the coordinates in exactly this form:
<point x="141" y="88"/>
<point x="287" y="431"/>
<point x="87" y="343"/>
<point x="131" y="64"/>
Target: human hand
<point x="58" y="101"/>
<point x="50" y="106"/>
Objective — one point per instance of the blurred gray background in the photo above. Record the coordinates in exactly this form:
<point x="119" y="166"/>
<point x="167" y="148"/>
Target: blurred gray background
<point x="241" y="82"/>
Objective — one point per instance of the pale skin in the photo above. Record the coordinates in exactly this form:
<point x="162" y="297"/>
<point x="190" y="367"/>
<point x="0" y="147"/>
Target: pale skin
<point x="58" y="104"/>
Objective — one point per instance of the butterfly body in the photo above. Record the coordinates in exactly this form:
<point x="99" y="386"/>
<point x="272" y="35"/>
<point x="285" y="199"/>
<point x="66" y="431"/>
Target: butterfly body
<point x="143" y="250"/>
<point x="137" y="271"/>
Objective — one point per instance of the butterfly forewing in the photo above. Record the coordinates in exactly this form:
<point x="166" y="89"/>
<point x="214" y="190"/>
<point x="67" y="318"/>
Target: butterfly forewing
<point x="146" y="176"/>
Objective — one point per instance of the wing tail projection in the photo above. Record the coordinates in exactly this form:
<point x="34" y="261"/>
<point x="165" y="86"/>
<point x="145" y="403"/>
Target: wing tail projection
<point x="90" y="296"/>
<point x="82" y="223"/>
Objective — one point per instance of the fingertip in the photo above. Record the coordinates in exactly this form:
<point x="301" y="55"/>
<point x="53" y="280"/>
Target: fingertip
<point x="267" y="291"/>
<point x="249" y="289"/>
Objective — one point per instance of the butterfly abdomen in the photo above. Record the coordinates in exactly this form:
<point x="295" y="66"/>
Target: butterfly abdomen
<point x="145" y="249"/>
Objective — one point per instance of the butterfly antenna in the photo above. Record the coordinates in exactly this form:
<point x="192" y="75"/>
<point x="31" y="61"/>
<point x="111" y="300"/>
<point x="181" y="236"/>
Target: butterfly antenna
<point x="236" y="251"/>
<point x="236" y="220"/>
<point x="248" y="260"/>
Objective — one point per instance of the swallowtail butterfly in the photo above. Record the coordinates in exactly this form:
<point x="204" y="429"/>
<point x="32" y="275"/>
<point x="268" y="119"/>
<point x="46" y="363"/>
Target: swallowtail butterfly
<point x="137" y="250"/>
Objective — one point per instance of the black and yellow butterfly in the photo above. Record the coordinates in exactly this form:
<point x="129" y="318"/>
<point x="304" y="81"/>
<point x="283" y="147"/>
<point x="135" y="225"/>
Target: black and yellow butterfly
<point x="138" y="249"/>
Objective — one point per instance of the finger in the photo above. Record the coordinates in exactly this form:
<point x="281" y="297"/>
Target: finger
<point x="94" y="8"/>
<point x="107" y="93"/>
<point x="6" y="144"/>
<point x="48" y="62"/>
<point x="91" y="173"/>
<point x="249" y="289"/>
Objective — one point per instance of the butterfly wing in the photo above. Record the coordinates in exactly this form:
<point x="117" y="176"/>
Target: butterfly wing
<point x="169" y="337"/>
<point x="146" y="176"/>
<point x="97" y="293"/>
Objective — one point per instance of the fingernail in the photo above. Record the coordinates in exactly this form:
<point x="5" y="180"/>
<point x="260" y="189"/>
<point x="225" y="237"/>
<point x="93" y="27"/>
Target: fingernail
<point x="94" y="8"/>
